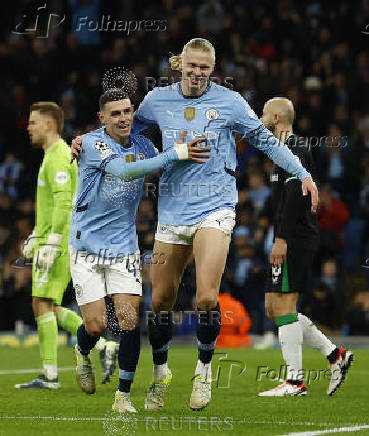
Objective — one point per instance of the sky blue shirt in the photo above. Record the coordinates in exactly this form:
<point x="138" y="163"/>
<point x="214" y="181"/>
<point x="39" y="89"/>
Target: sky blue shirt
<point x="188" y="192"/>
<point x="104" y="217"/>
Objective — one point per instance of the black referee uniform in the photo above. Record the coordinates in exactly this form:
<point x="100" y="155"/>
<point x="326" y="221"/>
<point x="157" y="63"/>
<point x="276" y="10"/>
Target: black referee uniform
<point x="294" y="222"/>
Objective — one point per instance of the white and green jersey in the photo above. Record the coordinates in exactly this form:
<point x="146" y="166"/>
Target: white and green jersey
<point x="56" y="187"/>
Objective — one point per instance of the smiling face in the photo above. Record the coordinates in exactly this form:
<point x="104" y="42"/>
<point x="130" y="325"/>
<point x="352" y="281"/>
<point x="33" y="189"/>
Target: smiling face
<point x="197" y="66"/>
<point x="118" y="118"/>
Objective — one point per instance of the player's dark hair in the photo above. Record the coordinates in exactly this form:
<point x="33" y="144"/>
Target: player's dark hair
<point x="52" y="110"/>
<point x="112" y="94"/>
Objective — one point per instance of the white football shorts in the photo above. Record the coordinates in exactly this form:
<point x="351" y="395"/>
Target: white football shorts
<point x="94" y="277"/>
<point x="223" y="220"/>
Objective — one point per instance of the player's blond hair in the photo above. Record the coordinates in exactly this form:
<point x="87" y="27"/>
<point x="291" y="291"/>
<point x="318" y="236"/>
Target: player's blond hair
<point x="196" y="44"/>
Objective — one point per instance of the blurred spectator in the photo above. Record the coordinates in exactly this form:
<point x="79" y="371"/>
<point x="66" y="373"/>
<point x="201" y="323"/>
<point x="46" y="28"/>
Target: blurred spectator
<point x="10" y="171"/>
<point x="235" y="323"/>
<point x="333" y="215"/>
<point x="259" y="192"/>
<point x="358" y="315"/>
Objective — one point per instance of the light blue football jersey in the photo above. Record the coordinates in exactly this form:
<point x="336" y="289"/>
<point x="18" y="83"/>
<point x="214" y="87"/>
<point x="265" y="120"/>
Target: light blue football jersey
<point x="104" y="216"/>
<point x="188" y="192"/>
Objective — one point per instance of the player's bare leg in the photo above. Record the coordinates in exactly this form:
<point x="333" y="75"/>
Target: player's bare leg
<point x="94" y="323"/>
<point x="127" y="311"/>
<point x="210" y="251"/>
<point x="166" y="277"/>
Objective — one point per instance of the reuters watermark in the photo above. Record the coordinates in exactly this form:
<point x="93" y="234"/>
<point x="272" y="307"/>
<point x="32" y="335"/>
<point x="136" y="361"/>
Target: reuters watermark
<point x="128" y="425"/>
<point x="188" y="423"/>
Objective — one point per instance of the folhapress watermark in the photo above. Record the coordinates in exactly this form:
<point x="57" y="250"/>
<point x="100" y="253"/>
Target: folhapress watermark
<point x="106" y="23"/>
<point x="281" y="373"/>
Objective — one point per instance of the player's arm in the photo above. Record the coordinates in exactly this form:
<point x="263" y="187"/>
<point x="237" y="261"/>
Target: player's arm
<point x="58" y="174"/>
<point x="248" y="124"/>
<point x="114" y="164"/>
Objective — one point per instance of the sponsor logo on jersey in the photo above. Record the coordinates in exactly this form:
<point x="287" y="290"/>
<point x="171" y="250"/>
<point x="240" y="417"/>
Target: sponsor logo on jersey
<point x="61" y="178"/>
<point x="276" y="272"/>
<point x="274" y="177"/>
<point x="170" y="113"/>
<point x="212" y="114"/>
<point x="103" y="149"/>
<point x="189" y="113"/>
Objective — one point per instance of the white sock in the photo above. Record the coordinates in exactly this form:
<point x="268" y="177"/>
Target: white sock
<point x="203" y="369"/>
<point x="51" y="371"/>
<point x="290" y="338"/>
<point x="126" y="394"/>
<point x="160" y="371"/>
<point x="314" y="337"/>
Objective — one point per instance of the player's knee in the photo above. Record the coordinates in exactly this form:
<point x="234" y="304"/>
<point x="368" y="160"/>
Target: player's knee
<point x="130" y="320"/>
<point x="206" y="302"/>
<point x="164" y="303"/>
<point x="95" y="327"/>
<point x="270" y="313"/>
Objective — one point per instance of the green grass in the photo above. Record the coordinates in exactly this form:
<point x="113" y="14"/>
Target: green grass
<point x="236" y="410"/>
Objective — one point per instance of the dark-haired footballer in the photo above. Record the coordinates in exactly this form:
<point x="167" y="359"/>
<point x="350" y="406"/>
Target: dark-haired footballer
<point x="104" y="255"/>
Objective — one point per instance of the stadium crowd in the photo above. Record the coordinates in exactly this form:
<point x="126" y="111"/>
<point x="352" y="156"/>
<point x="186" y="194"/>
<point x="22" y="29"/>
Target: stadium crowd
<point x="312" y="52"/>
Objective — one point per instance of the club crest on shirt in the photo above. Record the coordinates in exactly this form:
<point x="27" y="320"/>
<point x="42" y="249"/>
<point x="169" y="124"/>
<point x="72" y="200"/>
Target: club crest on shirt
<point x="141" y="156"/>
<point x="103" y="149"/>
<point x="130" y="157"/>
<point x="212" y="114"/>
<point x="78" y="289"/>
<point x="189" y="113"/>
<point x="274" y="177"/>
<point x="276" y="272"/>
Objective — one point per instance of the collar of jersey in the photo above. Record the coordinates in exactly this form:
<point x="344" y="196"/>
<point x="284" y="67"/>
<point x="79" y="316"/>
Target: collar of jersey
<point x="121" y="146"/>
<point x="190" y="97"/>
<point x="53" y="145"/>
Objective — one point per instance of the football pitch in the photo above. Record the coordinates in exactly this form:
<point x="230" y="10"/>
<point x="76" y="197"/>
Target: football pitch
<point x="235" y="408"/>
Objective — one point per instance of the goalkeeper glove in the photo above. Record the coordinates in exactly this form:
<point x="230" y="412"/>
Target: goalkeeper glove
<point x="29" y="245"/>
<point x="47" y="254"/>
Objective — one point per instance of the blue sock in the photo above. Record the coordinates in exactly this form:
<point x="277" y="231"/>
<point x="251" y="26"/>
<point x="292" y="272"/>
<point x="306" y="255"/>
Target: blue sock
<point x="85" y="342"/>
<point x="207" y="330"/>
<point x="128" y="355"/>
<point x="160" y="333"/>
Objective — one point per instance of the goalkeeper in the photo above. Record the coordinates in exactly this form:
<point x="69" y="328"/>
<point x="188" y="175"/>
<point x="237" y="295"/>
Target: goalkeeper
<point x="48" y="243"/>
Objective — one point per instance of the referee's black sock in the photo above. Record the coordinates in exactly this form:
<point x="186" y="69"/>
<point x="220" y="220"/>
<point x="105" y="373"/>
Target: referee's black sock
<point x="207" y="330"/>
<point x="128" y="355"/>
<point x="86" y="342"/>
<point x="160" y="328"/>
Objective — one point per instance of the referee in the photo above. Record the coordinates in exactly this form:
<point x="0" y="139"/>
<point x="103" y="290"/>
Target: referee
<point x="296" y="240"/>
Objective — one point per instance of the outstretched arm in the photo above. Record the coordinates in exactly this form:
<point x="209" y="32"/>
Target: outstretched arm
<point x="249" y="125"/>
